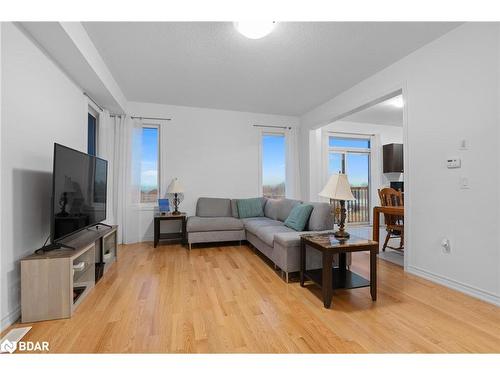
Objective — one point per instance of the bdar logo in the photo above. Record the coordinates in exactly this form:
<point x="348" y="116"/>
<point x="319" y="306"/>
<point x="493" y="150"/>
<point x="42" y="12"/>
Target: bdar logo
<point x="8" y="346"/>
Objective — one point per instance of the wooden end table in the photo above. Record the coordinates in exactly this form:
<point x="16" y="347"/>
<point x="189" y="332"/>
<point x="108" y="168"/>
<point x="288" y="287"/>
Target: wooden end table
<point x="329" y="278"/>
<point x="179" y="237"/>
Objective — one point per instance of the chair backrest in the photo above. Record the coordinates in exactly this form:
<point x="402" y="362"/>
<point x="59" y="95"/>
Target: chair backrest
<point x="393" y="198"/>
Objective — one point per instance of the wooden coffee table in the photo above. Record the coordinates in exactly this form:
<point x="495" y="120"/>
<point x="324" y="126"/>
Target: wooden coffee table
<point x="329" y="278"/>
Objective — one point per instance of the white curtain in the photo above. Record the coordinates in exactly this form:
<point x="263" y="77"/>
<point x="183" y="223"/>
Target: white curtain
<point x="119" y="180"/>
<point x="292" y="164"/>
<point x="165" y="178"/>
<point x="134" y="160"/>
<point x="375" y="170"/>
<point x="125" y="176"/>
<point x="105" y="150"/>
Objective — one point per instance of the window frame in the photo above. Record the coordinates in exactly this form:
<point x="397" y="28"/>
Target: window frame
<point x="152" y="125"/>
<point x="262" y="133"/>
<point x="351" y="149"/>
<point x="344" y="151"/>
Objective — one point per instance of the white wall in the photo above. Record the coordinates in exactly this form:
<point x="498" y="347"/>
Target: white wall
<point x="451" y="89"/>
<point x="214" y="153"/>
<point x="40" y="106"/>
<point x="383" y="134"/>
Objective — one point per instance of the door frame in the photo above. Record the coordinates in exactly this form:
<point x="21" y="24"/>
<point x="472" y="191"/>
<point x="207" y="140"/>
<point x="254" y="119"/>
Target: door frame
<point x="399" y="88"/>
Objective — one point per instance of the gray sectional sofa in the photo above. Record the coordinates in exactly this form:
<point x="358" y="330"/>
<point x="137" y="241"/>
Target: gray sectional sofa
<point x="217" y="220"/>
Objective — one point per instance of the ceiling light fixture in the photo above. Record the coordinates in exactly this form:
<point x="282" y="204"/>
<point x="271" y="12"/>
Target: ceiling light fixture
<point x="255" y="29"/>
<point x="397" y="101"/>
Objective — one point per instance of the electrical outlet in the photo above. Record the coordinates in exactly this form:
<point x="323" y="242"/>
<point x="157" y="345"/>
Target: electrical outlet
<point x="445" y="245"/>
<point x="464" y="183"/>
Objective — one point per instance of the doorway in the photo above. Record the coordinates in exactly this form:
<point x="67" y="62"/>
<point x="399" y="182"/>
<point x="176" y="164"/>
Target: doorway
<point x="359" y="145"/>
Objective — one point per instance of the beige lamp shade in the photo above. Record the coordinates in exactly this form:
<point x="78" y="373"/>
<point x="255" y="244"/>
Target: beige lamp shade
<point x="338" y="188"/>
<point x="175" y="187"/>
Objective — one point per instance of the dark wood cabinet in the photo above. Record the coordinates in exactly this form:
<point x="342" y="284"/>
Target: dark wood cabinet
<point x="393" y="158"/>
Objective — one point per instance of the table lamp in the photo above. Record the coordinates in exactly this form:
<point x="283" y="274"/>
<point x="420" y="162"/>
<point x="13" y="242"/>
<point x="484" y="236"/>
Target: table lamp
<point x="338" y="189"/>
<point x="175" y="188"/>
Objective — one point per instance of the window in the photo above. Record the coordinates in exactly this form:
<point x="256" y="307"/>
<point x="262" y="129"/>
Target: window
<point x="349" y="142"/>
<point x="92" y="135"/>
<point x="149" y="164"/>
<point x="352" y="157"/>
<point x="273" y="165"/>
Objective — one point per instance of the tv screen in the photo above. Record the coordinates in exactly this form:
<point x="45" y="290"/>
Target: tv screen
<point x="78" y="191"/>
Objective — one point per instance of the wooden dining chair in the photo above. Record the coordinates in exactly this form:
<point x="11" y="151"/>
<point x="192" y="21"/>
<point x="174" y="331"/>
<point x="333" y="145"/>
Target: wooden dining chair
<point x="394" y="224"/>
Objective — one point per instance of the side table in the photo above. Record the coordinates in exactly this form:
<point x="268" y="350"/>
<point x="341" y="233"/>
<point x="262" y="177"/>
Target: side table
<point x="329" y="278"/>
<point x="179" y="237"/>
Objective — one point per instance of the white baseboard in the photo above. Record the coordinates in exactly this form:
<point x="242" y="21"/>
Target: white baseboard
<point x="10" y="319"/>
<point x="456" y="285"/>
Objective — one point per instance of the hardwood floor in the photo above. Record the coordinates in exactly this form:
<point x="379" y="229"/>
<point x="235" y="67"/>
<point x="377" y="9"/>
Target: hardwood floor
<point x="227" y="299"/>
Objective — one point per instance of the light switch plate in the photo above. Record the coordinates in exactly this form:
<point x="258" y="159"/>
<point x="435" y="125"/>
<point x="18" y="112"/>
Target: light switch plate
<point x="464" y="183"/>
<point x="463" y="144"/>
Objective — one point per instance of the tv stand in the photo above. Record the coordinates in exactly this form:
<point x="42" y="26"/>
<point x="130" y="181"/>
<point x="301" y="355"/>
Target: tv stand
<point x="52" y="286"/>
<point x="53" y="246"/>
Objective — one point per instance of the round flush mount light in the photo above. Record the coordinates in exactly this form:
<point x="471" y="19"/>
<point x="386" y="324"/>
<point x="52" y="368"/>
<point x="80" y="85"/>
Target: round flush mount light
<point x="255" y="29"/>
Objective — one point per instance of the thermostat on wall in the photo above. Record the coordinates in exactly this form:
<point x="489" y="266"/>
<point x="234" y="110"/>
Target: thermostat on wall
<point x="453" y="163"/>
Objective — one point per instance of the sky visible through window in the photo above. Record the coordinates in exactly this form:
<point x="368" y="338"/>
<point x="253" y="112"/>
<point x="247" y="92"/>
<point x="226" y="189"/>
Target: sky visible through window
<point x="149" y="161"/>
<point x="349" y="142"/>
<point x="357" y="169"/>
<point x="273" y="165"/>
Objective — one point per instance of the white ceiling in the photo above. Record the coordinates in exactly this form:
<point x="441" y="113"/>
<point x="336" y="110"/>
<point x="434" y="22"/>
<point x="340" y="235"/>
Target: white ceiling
<point x="384" y="113"/>
<point x="209" y="64"/>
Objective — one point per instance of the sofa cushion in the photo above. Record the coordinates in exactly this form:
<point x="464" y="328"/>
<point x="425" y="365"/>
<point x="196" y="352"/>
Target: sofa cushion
<point x="288" y="239"/>
<point x="297" y="220"/>
<point x="271" y="208"/>
<point x="321" y="217"/>
<point x="234" y="208"/>
<point x="251" y="207"/>
<point x="285" y="207"/>
<point x="208" y="224"/>
<point x="267" y="233"/>
<point x="253" y="223"/>
<point x="213" y="207"/>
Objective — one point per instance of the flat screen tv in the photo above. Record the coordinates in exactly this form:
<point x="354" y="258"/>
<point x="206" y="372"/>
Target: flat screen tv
<point x="78" y="192"/>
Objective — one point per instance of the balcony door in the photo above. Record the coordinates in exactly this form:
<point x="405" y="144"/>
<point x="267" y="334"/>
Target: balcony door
<point x="352" y="157"/>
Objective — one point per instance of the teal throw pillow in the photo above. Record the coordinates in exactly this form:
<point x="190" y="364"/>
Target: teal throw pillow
<point x="251" y="207"/>
<point x="298" y="217"/>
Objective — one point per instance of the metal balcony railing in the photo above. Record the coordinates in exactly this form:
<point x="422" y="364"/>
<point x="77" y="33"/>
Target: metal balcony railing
<point x="358" y="211"/>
